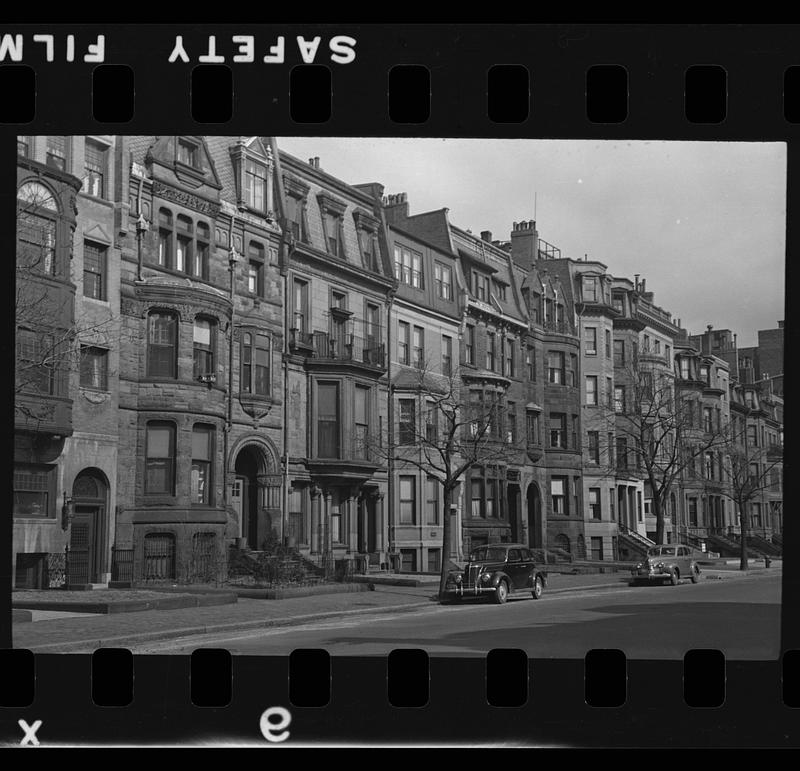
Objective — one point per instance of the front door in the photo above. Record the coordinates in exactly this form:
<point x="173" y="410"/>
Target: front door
<point x="82" y="558"/>
<point x="237" y="493"/>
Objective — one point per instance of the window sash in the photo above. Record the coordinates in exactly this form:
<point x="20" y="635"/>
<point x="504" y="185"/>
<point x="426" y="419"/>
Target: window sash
<point x="160" y="459"/>
<point x="432" y="503"/>
<point x="255" y="192"/>
<point x="591" y="389"/>
<point x="408" y="500"/>
<point x="94" y="368"/>
<point x="407" y="421"/>
<point x="162" y="345"/>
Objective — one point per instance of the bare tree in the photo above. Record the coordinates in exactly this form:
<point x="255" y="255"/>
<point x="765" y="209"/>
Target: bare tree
<point x="750" y="472"/>
<point x="451" y="430"/>
<point x="47" y="333"/>
<point x="659" y="429"/>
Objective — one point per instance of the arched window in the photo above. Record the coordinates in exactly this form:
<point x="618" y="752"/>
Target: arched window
<point x="162" y="344"/>
<point x="36" y="229"/>
<point x="562" y="542"/>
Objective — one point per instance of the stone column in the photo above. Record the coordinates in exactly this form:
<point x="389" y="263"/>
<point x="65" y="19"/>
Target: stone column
<point x="316" y="500"/>
<point x="325" y="521"/>
<point x="353" y="512"/>
<point x="379" y="523"/>
<point x="365" y="524"/>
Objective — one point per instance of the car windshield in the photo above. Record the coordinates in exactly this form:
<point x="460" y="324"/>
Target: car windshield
<point x="664" y="551"/>
<point x="492" y="553"/>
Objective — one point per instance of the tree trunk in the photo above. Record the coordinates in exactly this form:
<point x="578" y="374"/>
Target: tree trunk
<point x="744" y="526"/>
<point x="659" y="514"/>
<point x="448" y="493"/>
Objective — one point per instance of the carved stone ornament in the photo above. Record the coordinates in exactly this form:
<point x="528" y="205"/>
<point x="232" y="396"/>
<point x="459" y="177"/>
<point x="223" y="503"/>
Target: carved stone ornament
<point x="185" y="199"/>
<point x="95" y="397"/>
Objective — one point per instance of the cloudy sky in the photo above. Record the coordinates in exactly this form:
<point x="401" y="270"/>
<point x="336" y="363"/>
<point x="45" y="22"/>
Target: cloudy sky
<point x="703" y="222"/>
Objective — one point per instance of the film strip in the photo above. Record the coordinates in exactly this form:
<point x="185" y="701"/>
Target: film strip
<point x="592" y="82"/>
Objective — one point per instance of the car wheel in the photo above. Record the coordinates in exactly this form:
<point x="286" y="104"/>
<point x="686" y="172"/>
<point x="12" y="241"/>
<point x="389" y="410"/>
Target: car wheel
<point x="695" y="574"/>
<point x="538" y="588"/>
<point x="501" y="593"/>
<point x="674" y="578"/>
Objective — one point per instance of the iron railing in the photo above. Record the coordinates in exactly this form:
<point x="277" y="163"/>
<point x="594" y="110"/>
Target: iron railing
<point x="121" y="564"/>
<point x="77" y="566"/>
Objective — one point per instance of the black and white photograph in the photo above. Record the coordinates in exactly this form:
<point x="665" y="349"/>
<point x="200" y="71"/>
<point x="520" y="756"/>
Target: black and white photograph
<point x="362" y="394"/>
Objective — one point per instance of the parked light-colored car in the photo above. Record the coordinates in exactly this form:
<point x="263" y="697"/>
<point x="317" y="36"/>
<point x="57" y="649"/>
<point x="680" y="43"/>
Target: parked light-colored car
<point x="667" y="563"/>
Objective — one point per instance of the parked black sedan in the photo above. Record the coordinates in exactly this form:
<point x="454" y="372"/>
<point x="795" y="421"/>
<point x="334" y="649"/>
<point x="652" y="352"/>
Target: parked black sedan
<point x="497" y="571"/>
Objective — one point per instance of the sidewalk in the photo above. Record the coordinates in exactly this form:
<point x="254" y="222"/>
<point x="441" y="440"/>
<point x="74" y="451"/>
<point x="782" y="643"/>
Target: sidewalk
<point x="86" y="633"/>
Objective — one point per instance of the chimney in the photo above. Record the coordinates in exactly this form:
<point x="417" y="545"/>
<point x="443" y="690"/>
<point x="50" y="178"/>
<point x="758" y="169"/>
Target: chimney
<point x="396" y="207"/>
<point x="524" y="243"/>
<point x="643" y="283"/>
<point x="636" y="281"/>
<point x="486" y="235"/>
<point x="780" y="324"/>
<point x="314" y="162"/>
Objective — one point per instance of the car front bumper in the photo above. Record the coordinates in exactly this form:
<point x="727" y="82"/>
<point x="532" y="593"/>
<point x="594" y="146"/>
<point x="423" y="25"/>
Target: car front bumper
<point x="459" y="590"/>
<point x="651" y="575"/>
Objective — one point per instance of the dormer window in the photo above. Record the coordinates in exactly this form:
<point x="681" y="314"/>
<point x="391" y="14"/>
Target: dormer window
<point x="255" y="185"/>
<point x="408" y="266"/>
<point x="590" y="289"/>
<point x="189" y="153"/>
<point x="480" y="286"/>
<point x="296" y="198"/>
<point x="367" y="230"/>
<point x="332" y="224"/>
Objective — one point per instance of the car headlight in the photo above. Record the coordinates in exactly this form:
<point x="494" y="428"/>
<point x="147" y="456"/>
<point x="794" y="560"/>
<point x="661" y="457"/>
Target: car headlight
<point x="458" y="579"/>
<point x="660" y="565"/>
<point x="485" y="577"/>
<point x="638" y="565"/>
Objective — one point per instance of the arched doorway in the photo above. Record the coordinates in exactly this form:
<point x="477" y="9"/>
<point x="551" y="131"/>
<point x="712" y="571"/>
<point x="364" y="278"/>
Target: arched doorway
<point x="256" y="495"/>
<point x="246" y="494"/>
<point x="535" y="535"/>
<point x="88" y="529"/>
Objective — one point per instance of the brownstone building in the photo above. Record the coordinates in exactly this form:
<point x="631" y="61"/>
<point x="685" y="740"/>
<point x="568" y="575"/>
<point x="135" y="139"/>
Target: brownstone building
<point x="66" y="434"/>
<point x="339" y="280"/>
<point x="200" y="402"/>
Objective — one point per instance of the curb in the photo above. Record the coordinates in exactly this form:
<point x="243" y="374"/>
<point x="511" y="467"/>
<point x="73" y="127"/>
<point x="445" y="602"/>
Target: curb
<point x="238" y="626"/>
<point x="235" y="626"/>
<point x="131" y="606"/>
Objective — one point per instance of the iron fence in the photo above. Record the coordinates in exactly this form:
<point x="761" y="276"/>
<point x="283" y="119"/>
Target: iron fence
<point x="77" y="566"/>
<point x="121" y="564"/>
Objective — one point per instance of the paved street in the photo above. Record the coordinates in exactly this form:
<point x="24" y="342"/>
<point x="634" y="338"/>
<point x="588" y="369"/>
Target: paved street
<point x="739" y="617"/>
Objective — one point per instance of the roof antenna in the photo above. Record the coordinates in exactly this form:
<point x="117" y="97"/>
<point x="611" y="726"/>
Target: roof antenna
<point x="534" y="206"/>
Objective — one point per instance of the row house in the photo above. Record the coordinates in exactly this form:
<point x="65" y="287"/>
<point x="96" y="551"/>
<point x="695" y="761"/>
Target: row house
<point x="65" y="419"/>
<point x="339" y="282"/>
<point x="757" y="412"/>
<point x="486" y="352"/>
<point x="425" y="327"/>
<point x="219" y="343"/>
<point x="555" y="491"/>
<point x="201" y="314"/>
<point x="591" y="289"/>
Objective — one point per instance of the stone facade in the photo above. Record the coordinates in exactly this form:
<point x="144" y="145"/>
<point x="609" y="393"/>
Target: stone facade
<point x="241" y="341"/>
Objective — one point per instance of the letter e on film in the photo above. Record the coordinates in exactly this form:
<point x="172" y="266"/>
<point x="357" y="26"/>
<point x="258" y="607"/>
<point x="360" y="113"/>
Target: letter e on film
<point x="273" y="730"/>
